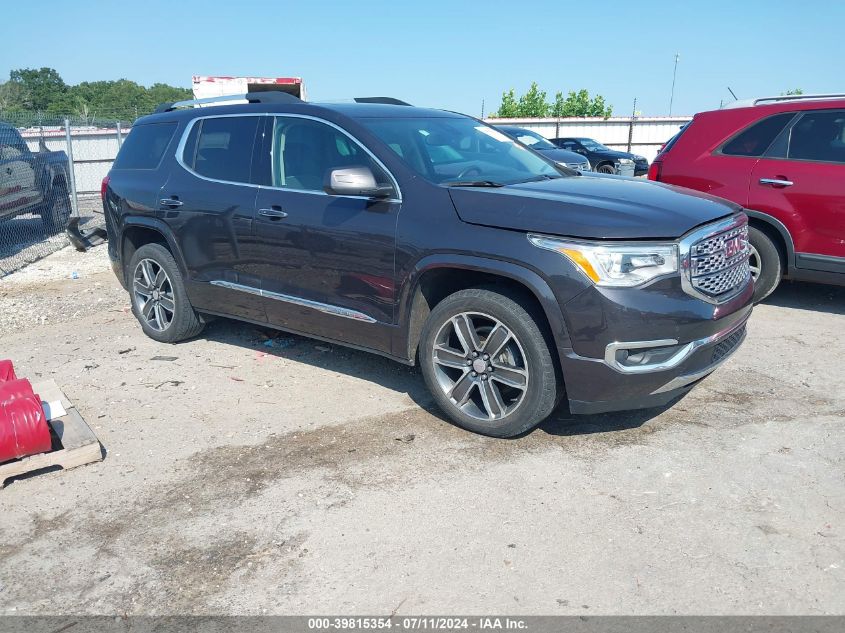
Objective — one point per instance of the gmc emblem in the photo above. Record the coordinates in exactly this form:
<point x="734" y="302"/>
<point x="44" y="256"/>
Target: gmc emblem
<point x="734" y="246"/>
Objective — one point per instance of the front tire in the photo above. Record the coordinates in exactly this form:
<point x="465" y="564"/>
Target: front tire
<point x="766" y="263"/>
<point x="606" y="169"/>
<point x="158" y="296"/>
<point x="487" y="363"/>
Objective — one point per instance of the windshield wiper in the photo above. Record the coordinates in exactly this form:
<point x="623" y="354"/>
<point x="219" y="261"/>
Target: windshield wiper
<point x="539" y="178"/>
<point x="473" y="183"/>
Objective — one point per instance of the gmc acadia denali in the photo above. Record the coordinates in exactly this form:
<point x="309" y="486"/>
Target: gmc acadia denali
<point x="428" y="236"/>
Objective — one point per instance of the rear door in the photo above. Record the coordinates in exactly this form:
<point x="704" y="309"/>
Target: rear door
<point x="801" y="182"/>
<point x="209" y="203"/>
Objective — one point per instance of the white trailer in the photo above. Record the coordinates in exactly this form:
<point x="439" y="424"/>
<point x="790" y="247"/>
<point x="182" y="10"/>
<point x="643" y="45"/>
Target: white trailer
<point x="208" y="87"/>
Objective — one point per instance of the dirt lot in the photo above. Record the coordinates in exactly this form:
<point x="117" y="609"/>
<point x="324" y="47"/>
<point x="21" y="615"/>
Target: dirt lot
<point x="306" y="478"/>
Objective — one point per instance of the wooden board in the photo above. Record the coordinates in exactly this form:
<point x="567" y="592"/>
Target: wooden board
<point x="79" y="445"/>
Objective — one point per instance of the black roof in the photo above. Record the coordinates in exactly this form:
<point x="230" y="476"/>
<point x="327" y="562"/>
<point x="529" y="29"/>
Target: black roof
<point x="350" y="110"/>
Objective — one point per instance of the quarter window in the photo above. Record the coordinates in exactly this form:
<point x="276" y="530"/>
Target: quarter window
<point x="755" y="140"/>
<point x="819" y="136"/>
<point x="224" y="148"/>
<point x="145" y="146"/>
<point x="305" y="151"/>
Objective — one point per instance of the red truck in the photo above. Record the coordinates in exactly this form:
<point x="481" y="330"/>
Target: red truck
<point x="782" y="159"/>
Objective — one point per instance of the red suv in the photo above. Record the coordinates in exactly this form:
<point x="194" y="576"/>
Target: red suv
<point x="783" y="160"/>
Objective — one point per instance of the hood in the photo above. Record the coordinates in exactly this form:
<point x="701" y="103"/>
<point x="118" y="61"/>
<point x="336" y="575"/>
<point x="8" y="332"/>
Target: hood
<point x="613" y="153"/>
<point x="591" y="207"/>
<point x="562" y="155"/>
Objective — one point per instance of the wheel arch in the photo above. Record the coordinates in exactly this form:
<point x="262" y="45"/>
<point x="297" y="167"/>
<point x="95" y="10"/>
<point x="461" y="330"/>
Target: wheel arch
<point x="438" y="276"/>
<point x="776" y="230"/>
<point x="138" y="231"/>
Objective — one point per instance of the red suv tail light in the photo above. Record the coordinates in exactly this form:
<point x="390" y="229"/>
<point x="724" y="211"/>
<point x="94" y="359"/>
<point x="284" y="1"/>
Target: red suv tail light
<point x="655" y="170"/>
<point x="103" y="186"/>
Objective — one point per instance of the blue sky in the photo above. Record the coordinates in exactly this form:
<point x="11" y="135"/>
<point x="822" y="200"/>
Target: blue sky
<point x="445" y="54"/>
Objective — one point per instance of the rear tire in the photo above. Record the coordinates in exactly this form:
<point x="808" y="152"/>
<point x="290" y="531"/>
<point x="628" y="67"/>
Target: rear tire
<point x="517" y="387"/>
<point x="766" y="263"/>
<point x="158" y="296"/>
<point x="56" y="212"/>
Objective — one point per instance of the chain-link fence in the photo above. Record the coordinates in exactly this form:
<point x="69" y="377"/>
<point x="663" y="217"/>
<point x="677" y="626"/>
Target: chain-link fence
<point x="51" y="168"/>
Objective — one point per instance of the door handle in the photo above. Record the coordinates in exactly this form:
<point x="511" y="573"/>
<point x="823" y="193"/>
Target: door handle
<point x="273" y="213"/>
<point x="776" y="182"/>
<point x="170" y="203"/>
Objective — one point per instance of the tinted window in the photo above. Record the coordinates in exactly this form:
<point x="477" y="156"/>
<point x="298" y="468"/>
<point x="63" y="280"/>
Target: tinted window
<point x="819" y="136"/>
<point x="305" y="151"/>
<point x="755" y="140"/>
<point x="144" y="146"/>
<point x="225" y="147"/>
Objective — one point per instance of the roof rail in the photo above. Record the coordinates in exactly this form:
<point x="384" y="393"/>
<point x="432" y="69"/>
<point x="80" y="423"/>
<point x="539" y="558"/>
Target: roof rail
<point x="267" y="96"/>
<point x="798" y="97"/>
<point x="387" y="100"/>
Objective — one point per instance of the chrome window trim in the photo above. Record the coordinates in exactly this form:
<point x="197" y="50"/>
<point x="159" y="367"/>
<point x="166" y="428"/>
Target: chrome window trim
<point x="326" y="308"/>
<point x="680" y="356"/>
<point x="180" y="150"/>
<point x="685" y="255"/>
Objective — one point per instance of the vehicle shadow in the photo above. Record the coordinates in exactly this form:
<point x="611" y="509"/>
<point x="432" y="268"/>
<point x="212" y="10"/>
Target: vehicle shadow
<point x="401" y="378"/>
<point x="808" y="296"/>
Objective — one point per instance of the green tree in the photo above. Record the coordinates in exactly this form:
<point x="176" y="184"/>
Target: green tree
<point x="533" y="103"/>
<point x="14" y="97"/>
<point x="44" y="90"/>
<point x="43" y="85"/>
<point x="580" y="104"/>
<point x="796" y="91"/>
<point x="509" y="107"/>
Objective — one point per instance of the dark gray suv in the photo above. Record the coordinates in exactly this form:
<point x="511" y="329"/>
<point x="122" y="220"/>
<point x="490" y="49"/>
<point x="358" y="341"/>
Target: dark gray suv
<point x="432" y="238"/>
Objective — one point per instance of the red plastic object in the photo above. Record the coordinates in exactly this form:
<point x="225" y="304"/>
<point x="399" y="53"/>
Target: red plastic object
<point x="23" y="428"/>
<point x="7" y="372"/>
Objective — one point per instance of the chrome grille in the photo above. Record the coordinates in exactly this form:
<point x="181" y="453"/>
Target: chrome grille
<point x="718" y="264"/>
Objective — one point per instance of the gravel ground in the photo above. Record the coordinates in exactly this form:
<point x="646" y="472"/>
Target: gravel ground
<point x="306" y="478"/>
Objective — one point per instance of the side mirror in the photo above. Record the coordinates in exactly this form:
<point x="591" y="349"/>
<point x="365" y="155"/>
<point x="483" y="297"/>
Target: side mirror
<point x="354" y="181"/>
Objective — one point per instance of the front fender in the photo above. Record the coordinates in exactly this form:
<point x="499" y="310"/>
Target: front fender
<point x="520" y="274"/>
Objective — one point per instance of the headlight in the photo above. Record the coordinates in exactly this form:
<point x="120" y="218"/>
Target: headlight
<point x="625" y="161"/>
<point x="616" y="266"/>
<point x="639" y="158"/>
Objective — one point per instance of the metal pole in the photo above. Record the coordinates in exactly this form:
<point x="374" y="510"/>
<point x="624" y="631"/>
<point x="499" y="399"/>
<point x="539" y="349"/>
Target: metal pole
<point x="119" y="134"/>
<point x="71" y="174"/>
<point x="674" y="74"/>
<point x="631" y="126"/>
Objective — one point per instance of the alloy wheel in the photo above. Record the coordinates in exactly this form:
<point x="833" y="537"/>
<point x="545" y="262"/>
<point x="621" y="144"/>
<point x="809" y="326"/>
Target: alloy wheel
<point x="480" y="365"/>
<point x="754" y="263"/>
<point x="153" y="295"/>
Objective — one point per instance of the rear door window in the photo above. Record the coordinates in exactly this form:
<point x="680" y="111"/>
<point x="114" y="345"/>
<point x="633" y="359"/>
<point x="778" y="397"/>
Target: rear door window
<point x="755" y="140"/>
<point x="819" y="136"/>
<point x="224" y="148"/>
<point x="145" y="146"/>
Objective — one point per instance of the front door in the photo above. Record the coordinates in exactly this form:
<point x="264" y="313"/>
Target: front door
<point x="326" y="262"/>
<point x="18" y="186"/>
<point x="805" y="188"/>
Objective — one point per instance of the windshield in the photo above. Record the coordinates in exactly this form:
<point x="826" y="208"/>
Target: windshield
<point x="593" y="146"/>
<point x="531" y="139"/>
<point x="452" y="150"/>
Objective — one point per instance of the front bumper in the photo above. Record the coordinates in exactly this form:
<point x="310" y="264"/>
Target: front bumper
<point x="640" y="168"/>
<point x="690" y="339"/>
